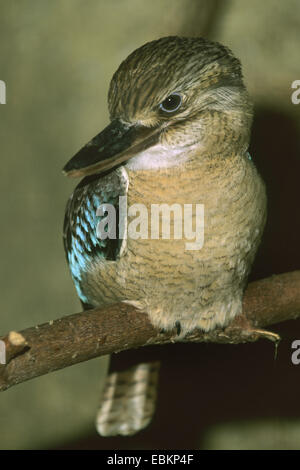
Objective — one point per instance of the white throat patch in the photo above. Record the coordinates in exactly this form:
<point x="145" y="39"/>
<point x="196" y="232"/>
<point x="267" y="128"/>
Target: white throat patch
<point x="156" y="157"/>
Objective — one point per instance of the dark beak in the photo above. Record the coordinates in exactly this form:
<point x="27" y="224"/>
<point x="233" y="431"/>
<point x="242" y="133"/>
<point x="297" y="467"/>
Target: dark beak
<point x="116" y="144"/>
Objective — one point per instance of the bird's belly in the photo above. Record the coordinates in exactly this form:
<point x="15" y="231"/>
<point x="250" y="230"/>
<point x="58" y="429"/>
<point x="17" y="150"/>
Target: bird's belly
<point x="198" y="287"/>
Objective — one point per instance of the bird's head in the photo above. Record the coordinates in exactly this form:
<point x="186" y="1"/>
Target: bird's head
<point x="173" y="94"/>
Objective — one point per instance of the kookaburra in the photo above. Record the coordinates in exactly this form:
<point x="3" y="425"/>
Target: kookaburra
<point x="179" y="136"/>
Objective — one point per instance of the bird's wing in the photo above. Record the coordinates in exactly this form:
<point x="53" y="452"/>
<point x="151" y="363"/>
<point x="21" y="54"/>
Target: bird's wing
<point x="82" y="246"/>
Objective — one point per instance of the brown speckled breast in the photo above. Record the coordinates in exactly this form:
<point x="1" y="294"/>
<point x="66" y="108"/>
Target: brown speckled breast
<point x="200" y="288"/>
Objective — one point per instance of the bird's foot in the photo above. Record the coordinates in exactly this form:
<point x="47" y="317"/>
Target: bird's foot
<point x="178" y="328"/>
<point x="242" y="330"/>
<point x="164" y="331"/>
<point x="246" y="329"/>
<point x="265" y="334"/>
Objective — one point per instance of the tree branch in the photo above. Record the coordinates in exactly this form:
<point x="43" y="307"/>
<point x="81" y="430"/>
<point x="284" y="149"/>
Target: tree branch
<point x="75" y="338"/>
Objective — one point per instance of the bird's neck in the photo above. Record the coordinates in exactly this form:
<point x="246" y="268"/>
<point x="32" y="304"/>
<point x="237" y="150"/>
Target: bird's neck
<point x="209" y="135"/>
<point x="223" y="133"/>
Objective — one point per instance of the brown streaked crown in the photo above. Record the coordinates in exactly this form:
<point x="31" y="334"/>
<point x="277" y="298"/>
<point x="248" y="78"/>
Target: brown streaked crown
<point x="172" y="64"/>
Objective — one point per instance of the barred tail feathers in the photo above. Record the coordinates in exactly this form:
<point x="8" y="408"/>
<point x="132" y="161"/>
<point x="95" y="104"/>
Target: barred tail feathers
<point x="128" y="400"/>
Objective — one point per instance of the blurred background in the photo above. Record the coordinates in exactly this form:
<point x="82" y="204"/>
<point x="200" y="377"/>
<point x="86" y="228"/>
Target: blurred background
<point x="57" y="58"/>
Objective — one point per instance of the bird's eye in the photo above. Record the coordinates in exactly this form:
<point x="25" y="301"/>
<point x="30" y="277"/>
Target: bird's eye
<point x="172" y="103"/>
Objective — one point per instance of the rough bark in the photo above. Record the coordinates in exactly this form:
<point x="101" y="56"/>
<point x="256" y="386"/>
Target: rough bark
<point x="83" y="336"/>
